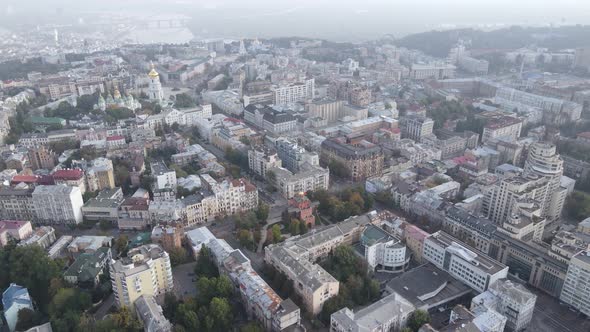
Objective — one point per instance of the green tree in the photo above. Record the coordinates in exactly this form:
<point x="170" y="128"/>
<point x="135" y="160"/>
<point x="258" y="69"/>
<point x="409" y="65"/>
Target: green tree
<point x="121" y="244"/>
<point x="205" y="266"/>
<point x="251" y="327"/>
<point x="183" y="100"/>
<point x="68" y="300"/>
<point x="178" y="256"/>
<point x="295" y="227"/>
<point x="220" y="311"/>
<point x="187" y="318"/>
<point x="276" y="233"/>
<point x="245" y="238"/>
<point x="417" y="319"/>
<point x="262" y="212"/>
<point x="28" y="318"/>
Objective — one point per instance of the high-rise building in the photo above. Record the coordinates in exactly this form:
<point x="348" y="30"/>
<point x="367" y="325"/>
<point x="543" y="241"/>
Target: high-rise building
<point x="544" y="161"/>
<point x="294" y="92"/>
<point x="155" y="92"/>
<point x="165" y="183"/>
<point x="361" y="159"/>
<point x="100" y="175"/>
<point x="58" y="204"/>
<point x="576" y="291"/>
<point x="582" y="58"/>
<point x="145" y="271"/>
<point x="261" y="160"/>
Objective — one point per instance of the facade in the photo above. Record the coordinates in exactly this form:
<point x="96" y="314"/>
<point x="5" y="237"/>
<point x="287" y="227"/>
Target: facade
<point x="58" y="204"/>
<point x="544" y="161"/>
<point x="575" y="290"/>
<point x="293" y="156"/>
<point x="42" y="157"/>
<point x="475" y="269"/>
<point x="384" y="252"/>
<point x="145" y="271"/>
<point x="134" y="213"/>
<point x="512" y="300"/>
<point x="301" y="208"/>
<point x="294" y="92"/>
<point x="70" y="177"/>
<point x="416" y="128"/>
<point x="506" y="127"/>
<point x="100" y="175"/>
<point x="14" y="230"/>
<point x="437" y="71"/>
<point x="414" y="238"/>
<point x="169" y="237"/>
<point x="309" y="178"/>
<point x="260" y="161"/>
<point x="42" y="236"/>
<point x="165" y="183"/>
<point x="361" y="159"/>
<point x="105" y="206"/>
<point x="15" y="298"/>
<point x="388" y="314"/>
<point x="269" y="119"/>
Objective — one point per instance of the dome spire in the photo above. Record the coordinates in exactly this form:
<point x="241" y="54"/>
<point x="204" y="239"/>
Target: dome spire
<point x="153" y="72"/>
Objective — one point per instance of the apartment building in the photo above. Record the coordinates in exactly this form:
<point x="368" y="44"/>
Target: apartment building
<point x="42" y="157"/>
<point x="70" y="177"/>
<point x="361" y="159"/>
<point x="293" y="155"/>
<point x="165" y="183"/>
<point x="296" y="258"/>
<point x="437" y="71"/>
<point x="309" y="178"/>
<point x="100" y="175"/>
<point x="291" y="93"/>
<point x="575" y="290"/>
<point x="471" y="267"/>
<point x="145" y="271"/>
<point x="269" y="119"/>
<point x="58" y="204"/>
<point x="151" y="315"/>
<point x="506" y="127"/>
<point x="14" y="230"/>
<point x="261" y="160"/>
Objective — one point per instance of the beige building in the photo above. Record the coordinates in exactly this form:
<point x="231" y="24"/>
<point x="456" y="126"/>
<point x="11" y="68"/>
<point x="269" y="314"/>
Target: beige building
<point x="361" y="159"/>
<point x="100" y="175"/>
<point x="309" y="178"/>
<point x="506" y="127"/>
<point x="145" y="271"/>
<point x="575" y="290"/>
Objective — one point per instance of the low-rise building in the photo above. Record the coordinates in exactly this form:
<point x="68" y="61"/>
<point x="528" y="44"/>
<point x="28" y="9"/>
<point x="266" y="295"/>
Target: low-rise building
<point x="383" y="252"/>
<point x="88" y="267"/>
<point x="169" y="237"/>
<point x="42" y="236"/>
<point x="14" y="299"/>
<point x="151" y="315"/>
<point x="388" y="314"/>
<point x="14" y="230"/>
<point x="105" y="206"/>
<point x="88" y="244"/>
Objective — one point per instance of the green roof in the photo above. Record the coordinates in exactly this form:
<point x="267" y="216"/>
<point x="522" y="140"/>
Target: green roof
<point x="140" y="239"/>
<point x="88" y="265"/>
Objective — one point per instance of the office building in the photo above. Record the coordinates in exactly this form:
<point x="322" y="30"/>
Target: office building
<point x="576" y="290"/>
<point x="15" y="298"/>
<point x="383" y="252"/>
<point x="145" y="271"/>
<point x="512" y="300"/>
<point x="475" y="269"/>
<point x="416" y="128"/>
<point x="105" y="206"/>
<point x="361" y="159"/>
<point x="388" y="314"/>
<point x="293" y="156"/>
<point x="437" y="71"/>
<point x="17" y="204"/>
<point x="58" y="204"/>
<point x="269" y="119"/>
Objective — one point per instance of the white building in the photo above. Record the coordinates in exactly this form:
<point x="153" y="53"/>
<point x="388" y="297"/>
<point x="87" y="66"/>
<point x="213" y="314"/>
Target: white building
<point x="198" y="238"/>
<point x="260" y="161"/>
<point x="512" y="300"/>
<point x="576" y="290"/>
<point x="437" y="71"/>
<point x="309" y="178"/>
<point x="507" y="128"/>
<point x="384" y="252"/>
<point x="155" y="92"/>
<point x="151" y="315"/>
<point x="295" y="92"/>
<point x="463" y="262"/>
<point x="416" y="127"/>
<point x="58" y="204"/>
<point x="165" y="183"/>
<point x="15" y="298"/>
<point x="388" y="314"/>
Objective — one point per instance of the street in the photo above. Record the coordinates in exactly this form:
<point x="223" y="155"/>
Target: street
<point x="551" y="316"/>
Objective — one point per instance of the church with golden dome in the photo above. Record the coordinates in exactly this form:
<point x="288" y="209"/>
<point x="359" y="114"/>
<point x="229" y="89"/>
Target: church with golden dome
<point x="117" y="100"/>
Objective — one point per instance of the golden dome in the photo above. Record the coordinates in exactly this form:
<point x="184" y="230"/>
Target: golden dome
<point x="117" y="94"/>
<point x="153" y="72"/>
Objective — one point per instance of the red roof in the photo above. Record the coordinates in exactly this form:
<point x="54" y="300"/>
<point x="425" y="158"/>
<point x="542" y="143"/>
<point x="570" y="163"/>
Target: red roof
<point x="24" y="179"/>
<point x="12" y="224"/>
<point x="585" y="135"/>
<point x="233" y="120"/>
<point x="115" y="138"/>
<point x="68" y="174"/>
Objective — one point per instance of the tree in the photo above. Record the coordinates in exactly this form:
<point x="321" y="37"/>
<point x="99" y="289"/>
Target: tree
<point x="338" y="169"/>
<point x="262" y="212"/>
<point x="205" y="266"/>
<point x="295" y="227"/>
<point x="251" y="327"/>
<point x="178" y="256"/>
<point x="187" y="318"/>
<point x="245" y="238"/>
<point x="417" y="319"/>
<point x="120" y="244"/>
<point x="68" y="300"/>
<point x="28" y="318"/>
<point x="276" y="233"/>
<point x="183" y="100"/>
<point x="220" y="311"/>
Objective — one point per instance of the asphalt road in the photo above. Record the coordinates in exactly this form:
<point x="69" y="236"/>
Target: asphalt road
<point x="551" y="316"/>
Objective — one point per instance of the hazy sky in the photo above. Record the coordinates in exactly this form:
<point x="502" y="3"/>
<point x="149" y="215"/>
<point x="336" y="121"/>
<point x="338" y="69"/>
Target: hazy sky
<point x="338" y="19"/>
